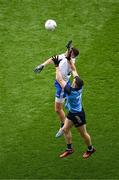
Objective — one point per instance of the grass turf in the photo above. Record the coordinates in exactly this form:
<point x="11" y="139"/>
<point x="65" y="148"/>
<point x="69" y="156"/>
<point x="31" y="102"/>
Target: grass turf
<point x="28" y="123"/>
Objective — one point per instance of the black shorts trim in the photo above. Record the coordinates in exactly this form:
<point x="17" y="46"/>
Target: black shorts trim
<point x="78" y="119"/>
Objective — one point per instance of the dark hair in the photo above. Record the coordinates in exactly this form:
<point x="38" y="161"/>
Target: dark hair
<point x="75" y="51"/>
<point x="79" y="82"/>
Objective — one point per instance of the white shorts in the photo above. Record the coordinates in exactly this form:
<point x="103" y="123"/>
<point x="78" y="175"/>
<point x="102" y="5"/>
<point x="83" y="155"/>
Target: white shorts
<point x="59" y="100"/>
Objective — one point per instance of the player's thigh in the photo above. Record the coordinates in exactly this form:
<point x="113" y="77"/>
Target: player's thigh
<point x="58" y="106"/>
<point x="67" y="124"/>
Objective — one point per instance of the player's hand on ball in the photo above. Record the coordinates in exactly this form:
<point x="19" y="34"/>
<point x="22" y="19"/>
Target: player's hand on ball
<point x="39" y="68"/>
<point x="55" y="60"/>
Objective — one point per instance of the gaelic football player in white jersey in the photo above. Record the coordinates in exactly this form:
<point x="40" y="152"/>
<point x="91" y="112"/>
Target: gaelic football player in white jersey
<point x="66" y="67"/>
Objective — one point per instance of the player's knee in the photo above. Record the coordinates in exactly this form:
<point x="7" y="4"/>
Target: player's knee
<point x="65" y="131"/>
<point x="58" y="110"/>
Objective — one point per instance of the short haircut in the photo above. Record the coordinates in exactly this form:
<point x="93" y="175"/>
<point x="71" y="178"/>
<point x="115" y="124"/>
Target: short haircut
<point x="79" y="82"/>
<point x="75" y="51"/>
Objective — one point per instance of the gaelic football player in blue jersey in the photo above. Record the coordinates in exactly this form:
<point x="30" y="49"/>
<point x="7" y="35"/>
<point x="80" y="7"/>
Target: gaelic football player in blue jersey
<point x="76" y="114"/>
<point x="65" y="68"/>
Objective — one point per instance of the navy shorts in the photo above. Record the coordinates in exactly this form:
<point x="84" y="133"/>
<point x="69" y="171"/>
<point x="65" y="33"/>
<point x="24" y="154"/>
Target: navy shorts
<point x="78" y="119"/>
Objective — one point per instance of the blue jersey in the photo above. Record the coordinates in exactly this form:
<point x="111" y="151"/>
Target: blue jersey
<point x="73" y="99"/>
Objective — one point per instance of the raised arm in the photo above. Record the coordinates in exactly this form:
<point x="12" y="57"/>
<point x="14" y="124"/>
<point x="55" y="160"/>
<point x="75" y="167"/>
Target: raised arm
<point x="59" y="77"/>
<point x="48" y="61"/>
<point x="71" y="62"/>
<point x="64" y="85"/>
<point x="40" y="67"/>
<point x="56" y="61"/>
<point x="73" y="68"/>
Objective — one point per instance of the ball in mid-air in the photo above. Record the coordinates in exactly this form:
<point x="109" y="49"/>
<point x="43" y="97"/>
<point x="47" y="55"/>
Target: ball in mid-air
<point x="50" y="25"/>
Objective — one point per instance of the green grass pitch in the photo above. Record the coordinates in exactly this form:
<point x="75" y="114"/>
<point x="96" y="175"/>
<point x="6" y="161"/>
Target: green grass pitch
<point x="28" y="123"/>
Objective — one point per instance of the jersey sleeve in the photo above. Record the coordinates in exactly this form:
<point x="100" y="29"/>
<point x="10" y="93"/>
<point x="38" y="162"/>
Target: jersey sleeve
<point x="67" y="89"/>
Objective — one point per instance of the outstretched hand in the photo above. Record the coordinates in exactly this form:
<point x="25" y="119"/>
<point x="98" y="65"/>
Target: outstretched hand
<point x="55" y="60"/>
<point x="69" y="45"/>
<point x="39" y="68"/>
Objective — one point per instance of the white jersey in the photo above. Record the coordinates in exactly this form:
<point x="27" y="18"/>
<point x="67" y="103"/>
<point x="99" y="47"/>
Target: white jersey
<point x="64" y="67"/>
